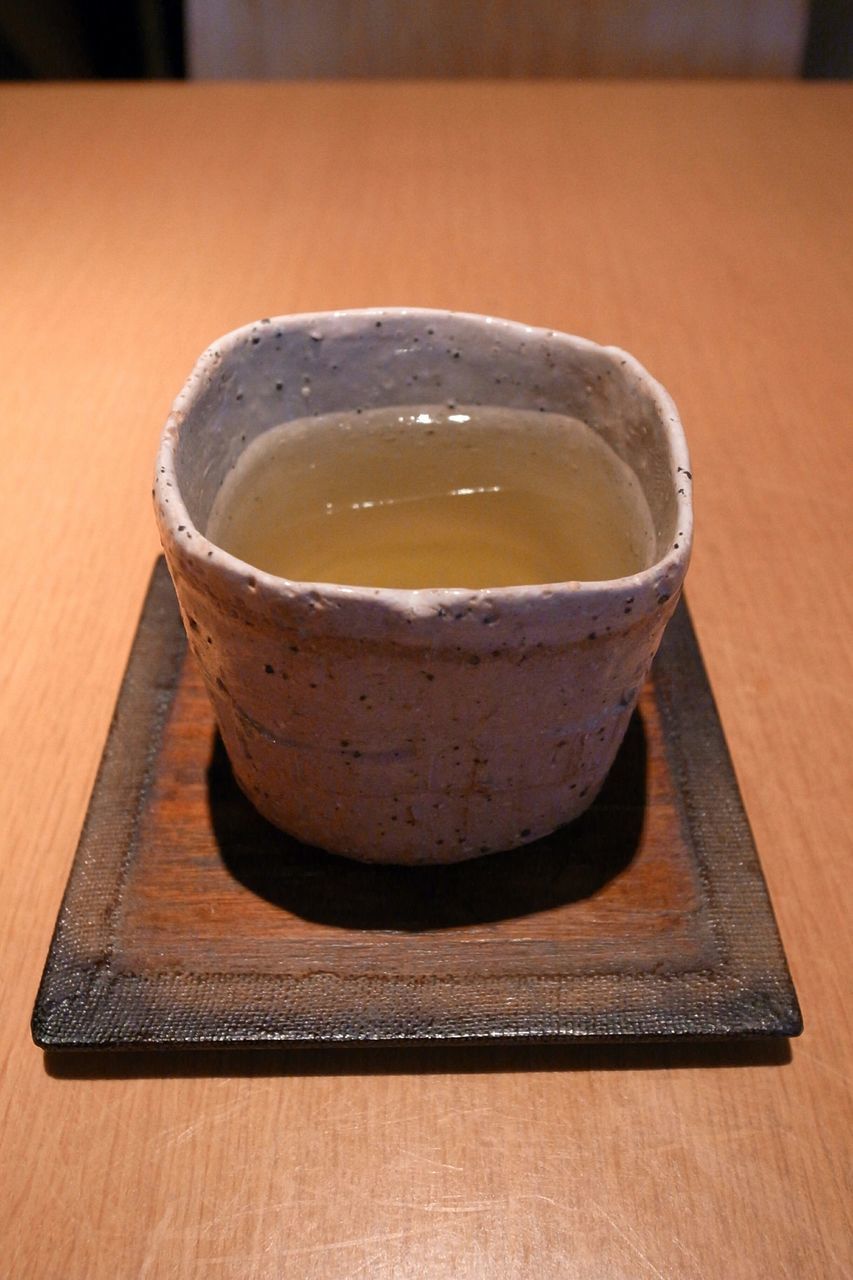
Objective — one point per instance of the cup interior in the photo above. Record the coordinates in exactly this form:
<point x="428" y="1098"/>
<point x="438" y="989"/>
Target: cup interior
<point x="276" y="371"/>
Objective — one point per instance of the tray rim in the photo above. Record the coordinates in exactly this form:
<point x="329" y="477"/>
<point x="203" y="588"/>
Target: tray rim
<point x="86" y="1003"/>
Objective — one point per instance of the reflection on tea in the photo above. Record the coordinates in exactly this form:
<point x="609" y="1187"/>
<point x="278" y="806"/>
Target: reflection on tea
<point x="420" y="496"/>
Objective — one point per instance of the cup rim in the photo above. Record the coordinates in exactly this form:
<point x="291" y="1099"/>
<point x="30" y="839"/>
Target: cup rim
<point x="176" y="524"/>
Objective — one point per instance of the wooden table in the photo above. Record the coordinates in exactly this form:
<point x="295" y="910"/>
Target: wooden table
<point x="706" y="227"/>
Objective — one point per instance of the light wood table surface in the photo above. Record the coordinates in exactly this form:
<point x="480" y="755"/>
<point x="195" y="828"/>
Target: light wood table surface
<point x="707" y="229"/>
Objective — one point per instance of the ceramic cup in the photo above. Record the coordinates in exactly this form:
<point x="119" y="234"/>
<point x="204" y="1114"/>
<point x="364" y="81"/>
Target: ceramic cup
<point x="417" y="726"/>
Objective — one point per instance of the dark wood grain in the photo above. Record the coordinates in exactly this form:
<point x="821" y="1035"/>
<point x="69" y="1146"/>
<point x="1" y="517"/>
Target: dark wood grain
<point x="188" y="919"/>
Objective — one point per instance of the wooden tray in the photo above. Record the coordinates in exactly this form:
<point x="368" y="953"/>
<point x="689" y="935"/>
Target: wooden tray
<point x="190" y="921"/>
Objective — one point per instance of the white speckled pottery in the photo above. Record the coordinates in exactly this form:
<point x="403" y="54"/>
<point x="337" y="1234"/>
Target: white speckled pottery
<point x="417" y="726"/>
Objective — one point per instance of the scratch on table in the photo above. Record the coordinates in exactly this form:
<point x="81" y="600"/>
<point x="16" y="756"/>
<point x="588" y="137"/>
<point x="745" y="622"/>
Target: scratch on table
<point x="299" y="1251"/>
<point x="155" y="1239"/>
<point x="417" y="1118"/>
<point x="367" y="1265"/>
<point x="635" y="1248"/>
<point x="177" y="1135"/>
<point x="501" y="1203"/>
<point x="688" y="1253"/>
<point x="423" y="1159"/>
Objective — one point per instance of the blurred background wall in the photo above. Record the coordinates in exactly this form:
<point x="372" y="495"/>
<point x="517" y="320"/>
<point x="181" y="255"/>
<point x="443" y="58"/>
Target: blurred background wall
<point x="235" y="39"/>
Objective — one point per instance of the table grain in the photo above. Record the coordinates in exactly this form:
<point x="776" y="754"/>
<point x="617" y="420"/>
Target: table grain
<point x="705" y="227"/>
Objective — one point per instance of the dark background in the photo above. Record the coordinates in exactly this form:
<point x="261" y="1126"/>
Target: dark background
<point x="144" y="39"/>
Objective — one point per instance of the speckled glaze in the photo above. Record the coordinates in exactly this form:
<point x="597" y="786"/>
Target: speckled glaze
<point x="417" y="726"/>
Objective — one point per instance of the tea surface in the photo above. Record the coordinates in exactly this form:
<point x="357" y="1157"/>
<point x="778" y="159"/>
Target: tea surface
<point x="420" y="496"/>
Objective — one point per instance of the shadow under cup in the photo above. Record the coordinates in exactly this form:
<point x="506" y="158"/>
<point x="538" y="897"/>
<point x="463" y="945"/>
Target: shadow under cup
<point x="432" y="725"/>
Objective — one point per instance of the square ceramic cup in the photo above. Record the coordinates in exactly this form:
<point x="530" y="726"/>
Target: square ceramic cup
<point x="332" y="729"/>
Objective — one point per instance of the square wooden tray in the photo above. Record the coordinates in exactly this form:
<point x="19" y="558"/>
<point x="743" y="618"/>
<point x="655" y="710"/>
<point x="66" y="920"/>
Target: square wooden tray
<point x="190" y="921"/>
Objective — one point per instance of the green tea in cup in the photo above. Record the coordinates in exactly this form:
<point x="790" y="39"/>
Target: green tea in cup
<point x="435" y="496"/>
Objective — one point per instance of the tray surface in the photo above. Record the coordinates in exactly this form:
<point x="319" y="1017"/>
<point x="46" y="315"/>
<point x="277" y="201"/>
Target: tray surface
<point x="190" y="921"/>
